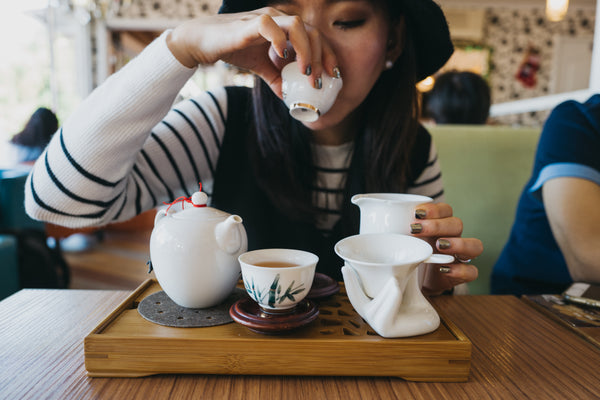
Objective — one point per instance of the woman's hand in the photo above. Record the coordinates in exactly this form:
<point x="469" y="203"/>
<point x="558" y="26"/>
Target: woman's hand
<point x="262" y="41"/>
<point x="435" y="223"/>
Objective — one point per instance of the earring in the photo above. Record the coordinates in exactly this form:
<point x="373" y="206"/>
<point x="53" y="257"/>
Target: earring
<point x="389" y="64"/>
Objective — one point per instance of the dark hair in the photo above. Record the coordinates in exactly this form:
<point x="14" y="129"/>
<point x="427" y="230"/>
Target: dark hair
<point x="458" y="97"/>
<point x="381" y="150"/>
<point x="39" y="129"/>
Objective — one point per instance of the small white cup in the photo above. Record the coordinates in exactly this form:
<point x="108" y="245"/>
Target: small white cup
<point x="278" y="279"/>
<point x="305" y="102"/>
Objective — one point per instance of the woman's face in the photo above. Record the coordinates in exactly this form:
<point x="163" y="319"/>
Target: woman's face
<point x="358" y="33"/>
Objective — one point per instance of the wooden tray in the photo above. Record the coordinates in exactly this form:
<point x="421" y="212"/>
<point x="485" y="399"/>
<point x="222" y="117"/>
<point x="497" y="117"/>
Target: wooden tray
<point x="337" y="343"/>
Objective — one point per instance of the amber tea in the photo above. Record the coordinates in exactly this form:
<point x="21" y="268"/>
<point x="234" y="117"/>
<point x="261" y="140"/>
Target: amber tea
<point x="276" y="264"/>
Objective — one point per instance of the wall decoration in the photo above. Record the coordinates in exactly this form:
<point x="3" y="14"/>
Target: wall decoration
<point x="509" y="32"/>
<point x="527" y="72"/>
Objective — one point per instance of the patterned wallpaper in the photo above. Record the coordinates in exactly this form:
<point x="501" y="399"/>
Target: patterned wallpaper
<point x="510" y="33"/>
<point x="175" y="9"/>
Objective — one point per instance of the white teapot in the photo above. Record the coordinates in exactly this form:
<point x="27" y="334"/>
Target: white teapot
<point x="194" y="252"/>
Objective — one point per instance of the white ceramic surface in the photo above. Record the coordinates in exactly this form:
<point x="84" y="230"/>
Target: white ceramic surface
<point x="387" y="212"/>
<point x="306" y="103"/>
<point x="194" y="253"/>
<point x="278" y="289"/>
<point x="381" y="282"/>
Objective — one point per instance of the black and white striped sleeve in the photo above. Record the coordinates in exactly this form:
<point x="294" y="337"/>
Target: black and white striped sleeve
<point x="124" y="150"/>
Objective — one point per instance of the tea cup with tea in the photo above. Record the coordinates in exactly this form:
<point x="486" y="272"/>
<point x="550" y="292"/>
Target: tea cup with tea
<point x="307" y="103"/>
<point x="278" y="279"/>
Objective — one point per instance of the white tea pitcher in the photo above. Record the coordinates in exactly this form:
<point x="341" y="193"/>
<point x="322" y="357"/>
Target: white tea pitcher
<point x="387" y="212"/>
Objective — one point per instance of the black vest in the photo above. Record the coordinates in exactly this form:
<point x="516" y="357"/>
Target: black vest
<point x="236" y="191"/>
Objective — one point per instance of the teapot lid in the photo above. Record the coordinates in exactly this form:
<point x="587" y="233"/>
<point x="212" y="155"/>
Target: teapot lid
<point x="195" y="207"/>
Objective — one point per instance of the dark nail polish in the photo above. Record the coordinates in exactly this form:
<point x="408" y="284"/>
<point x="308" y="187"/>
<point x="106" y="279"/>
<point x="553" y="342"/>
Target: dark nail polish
<point x="443" y="244"/>
<point x="318" y="83"/>
<point x="420" y="214"/>
<point x="308" y="70"/>
<point x="416" y="228"/>
<point x="285" y="53"/>
<point x="336" y="72"/>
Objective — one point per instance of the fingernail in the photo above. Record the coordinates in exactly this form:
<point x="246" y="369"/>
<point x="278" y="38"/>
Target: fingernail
<point x="336" y="72"/>
<point x="318" y="83"/>
<point x="416" y="228"/>
<point x="308" y="70"/>
<point x="285" y="53"/>
<point x="443" y="244"/>
<point x="445" y="270"/>
<point x="420" y="214"/>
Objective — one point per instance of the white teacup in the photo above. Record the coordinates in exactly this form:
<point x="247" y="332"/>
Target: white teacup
<point x="278" y="279"/>
<point x="306" y="103"/>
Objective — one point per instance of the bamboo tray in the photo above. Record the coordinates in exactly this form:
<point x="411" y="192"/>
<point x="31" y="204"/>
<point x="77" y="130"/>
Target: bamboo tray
<point x="337" y="343"/>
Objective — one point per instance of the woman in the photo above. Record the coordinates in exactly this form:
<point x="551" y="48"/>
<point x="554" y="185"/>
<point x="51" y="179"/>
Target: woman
<point x="290" y="182"/>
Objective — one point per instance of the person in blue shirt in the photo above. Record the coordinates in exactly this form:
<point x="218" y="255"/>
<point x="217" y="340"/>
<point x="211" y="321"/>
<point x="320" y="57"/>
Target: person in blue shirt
<point x="555" y="239"/>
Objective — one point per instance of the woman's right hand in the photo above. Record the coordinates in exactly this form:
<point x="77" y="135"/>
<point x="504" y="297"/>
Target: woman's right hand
<point x="258" y="41"/>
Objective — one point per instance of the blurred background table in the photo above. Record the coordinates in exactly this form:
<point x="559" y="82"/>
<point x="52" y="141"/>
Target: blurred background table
<point x="517" y="352"/>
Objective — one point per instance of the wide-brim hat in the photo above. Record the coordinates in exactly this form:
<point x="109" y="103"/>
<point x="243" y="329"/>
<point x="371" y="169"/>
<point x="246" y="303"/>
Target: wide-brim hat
<point x="426" y="21"/>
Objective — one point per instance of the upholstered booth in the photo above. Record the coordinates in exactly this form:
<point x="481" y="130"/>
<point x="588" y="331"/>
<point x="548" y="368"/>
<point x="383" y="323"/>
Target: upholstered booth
<point x="484" y="169"/>
<point x="12" y="217"/>
<point x="9" y="268"/>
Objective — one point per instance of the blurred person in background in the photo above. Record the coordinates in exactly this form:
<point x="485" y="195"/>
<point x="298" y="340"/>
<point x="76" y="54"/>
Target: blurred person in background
<point x="21" y="152"/>
<point x="458" y="97"/>
<point x="26" y="146"/>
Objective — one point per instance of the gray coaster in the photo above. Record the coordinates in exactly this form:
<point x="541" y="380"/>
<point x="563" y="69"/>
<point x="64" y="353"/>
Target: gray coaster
<point x="160" y="309"/>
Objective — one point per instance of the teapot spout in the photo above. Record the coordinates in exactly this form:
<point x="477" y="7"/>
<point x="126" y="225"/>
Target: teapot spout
<point x="229" y="234"/>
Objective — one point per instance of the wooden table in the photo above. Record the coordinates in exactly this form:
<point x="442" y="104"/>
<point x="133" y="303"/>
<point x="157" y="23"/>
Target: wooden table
<point x="517" y="353"/>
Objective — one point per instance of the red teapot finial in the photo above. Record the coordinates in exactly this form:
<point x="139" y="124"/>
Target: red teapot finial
<point x="198" y="199"/>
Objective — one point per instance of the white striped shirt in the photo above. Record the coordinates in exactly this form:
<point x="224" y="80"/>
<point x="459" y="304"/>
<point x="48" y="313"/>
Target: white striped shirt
<point x="125" y="150"/>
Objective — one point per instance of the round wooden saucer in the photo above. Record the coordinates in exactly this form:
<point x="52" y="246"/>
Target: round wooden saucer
<point x="248" y="313"/>
<point x="323" y="286"/>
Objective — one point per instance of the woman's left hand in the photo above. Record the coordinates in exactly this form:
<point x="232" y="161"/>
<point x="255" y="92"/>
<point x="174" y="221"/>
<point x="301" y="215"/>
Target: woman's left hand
<point x="435" y="223"/>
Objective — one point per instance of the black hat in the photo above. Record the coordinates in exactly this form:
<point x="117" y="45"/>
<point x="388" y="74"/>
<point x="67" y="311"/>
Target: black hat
<point x="425" y="18"/>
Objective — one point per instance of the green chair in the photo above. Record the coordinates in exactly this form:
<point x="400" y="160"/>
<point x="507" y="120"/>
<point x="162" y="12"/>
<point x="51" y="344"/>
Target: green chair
<point x="9" y="283"/>
<point x="484" y="169"/>
<point x="12" y="201"/>
<point x="12" y="218"/>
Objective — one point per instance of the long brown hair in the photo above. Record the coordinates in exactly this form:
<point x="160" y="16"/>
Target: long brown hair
<point x="281" y="146"/>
